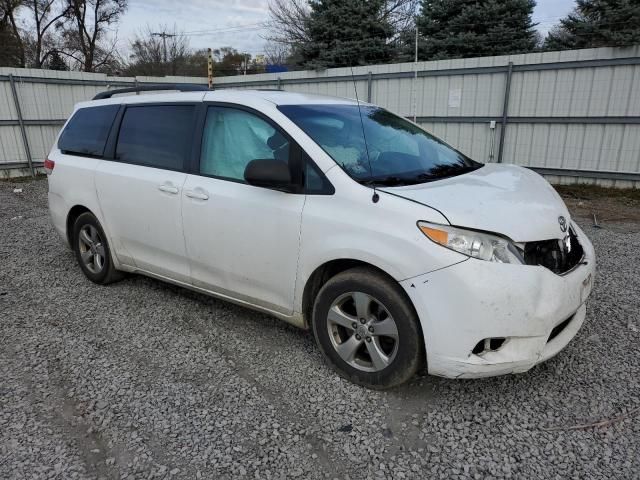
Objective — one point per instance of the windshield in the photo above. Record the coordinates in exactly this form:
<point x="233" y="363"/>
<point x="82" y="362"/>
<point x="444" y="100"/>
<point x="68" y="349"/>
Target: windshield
<point x="396" y="151"/>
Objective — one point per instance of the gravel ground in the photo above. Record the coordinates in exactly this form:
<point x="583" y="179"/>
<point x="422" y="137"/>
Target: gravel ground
<point x="145" y="380"/>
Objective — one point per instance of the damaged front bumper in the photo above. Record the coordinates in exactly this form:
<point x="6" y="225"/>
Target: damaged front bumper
<point x="482" y="319"/>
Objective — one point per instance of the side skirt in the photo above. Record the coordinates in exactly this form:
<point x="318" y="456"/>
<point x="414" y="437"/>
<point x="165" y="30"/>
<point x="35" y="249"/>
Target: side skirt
<point x="296" y="319"/>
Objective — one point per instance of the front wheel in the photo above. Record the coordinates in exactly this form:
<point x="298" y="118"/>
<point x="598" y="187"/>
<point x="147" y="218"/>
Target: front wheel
<point x="367" y="329"/>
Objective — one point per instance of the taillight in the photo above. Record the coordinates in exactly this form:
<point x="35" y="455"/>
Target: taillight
<point x="48" y="166"/>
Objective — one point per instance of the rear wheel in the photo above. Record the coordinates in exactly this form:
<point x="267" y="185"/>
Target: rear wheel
<point x="367" y="329"/>
<point x="92" y="250"/>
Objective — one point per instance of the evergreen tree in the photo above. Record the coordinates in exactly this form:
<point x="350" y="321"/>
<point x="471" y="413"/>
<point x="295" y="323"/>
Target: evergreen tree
<point x="10" y="53"/>
<point x="56" y="62"/>
<point x="346" y="33"/>
<point x="460" y="28"/>
<point x="597" y="23"/>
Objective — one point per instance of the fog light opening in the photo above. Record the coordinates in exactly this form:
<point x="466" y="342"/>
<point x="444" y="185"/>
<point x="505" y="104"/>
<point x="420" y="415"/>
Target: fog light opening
<point x="557" y="330"/>
<point x="488" y="345"/>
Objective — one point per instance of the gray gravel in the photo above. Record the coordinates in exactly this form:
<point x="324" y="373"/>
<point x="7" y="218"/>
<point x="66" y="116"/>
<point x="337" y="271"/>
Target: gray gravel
<point x="145" y="380"/>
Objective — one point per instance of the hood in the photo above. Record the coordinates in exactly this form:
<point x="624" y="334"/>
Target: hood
<point x="505" y="199"/>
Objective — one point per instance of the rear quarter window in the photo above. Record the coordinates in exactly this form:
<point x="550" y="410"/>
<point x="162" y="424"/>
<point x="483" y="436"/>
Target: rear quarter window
<point x="87" y="131"/>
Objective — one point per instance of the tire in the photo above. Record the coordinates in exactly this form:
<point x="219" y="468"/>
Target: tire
<point x="92" y="250"/>
<point x="373" y="354"/>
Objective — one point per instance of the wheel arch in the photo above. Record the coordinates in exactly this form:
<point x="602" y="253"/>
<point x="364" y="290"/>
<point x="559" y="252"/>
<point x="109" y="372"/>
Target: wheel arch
<point x="328" y="270"/>
<point x="72" y="216"/>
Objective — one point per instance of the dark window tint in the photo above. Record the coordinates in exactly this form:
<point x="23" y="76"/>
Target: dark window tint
<point x="156" y="135"/>
<point x="232" y="138"/>
<point x="87" y="131"/>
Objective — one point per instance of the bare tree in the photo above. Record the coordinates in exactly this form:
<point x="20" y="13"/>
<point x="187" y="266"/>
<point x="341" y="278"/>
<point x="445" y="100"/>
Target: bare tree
<point x="287" y="23"/>
<point x="148" y="52"/>
<point x="46" y="14"/>
<point x="288" y="19"/>
<point x="229" y="61"/>
<point x="8" y="9"/>
<point x="277" y="53"/>
<point x="401" y="14"/>
<point x="88" y="23"/>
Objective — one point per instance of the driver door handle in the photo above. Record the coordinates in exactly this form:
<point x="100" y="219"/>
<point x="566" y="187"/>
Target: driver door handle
<point x="196" y="195"/>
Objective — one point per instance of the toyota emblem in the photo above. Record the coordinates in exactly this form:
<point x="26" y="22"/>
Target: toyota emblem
<point x="563" y="223"/>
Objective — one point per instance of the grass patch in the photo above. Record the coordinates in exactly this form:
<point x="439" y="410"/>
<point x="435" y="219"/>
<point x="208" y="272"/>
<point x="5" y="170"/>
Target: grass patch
<point x="591" y="192"/>
<point x="26" y="179"/>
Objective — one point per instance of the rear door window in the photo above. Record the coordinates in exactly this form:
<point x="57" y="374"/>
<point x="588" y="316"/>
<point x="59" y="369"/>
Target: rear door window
<point x="87" y="131"/>
<point x="156" y="135"/>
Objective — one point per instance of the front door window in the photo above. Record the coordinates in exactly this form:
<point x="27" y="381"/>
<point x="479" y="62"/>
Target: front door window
<point x="232" y="138"/>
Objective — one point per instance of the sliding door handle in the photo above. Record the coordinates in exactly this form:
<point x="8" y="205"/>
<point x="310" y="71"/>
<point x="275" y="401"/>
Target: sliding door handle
<point x="168" y="189"/>
<point x="196" y="194"/>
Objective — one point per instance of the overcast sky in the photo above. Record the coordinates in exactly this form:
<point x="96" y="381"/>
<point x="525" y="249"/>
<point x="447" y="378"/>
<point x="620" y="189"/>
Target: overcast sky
<point x="200" y="19"/>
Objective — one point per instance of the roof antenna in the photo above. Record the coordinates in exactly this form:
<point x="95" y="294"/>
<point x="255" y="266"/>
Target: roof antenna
<point x="375" y="196"/>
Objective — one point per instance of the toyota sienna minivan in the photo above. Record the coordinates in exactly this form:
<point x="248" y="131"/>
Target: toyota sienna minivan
<point x="396" y="250"/>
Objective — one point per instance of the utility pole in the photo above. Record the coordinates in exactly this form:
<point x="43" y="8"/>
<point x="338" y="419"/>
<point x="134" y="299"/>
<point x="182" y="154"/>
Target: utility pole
<point x="415" y="79"/>
<point x="210" y="68"/>
<point x="164" y="36"/>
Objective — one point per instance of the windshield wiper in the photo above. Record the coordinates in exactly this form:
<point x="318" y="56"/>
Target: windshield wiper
<point x="437" y="173"/>
<point x="445" y="172"/>
<point x="389" y="181"/>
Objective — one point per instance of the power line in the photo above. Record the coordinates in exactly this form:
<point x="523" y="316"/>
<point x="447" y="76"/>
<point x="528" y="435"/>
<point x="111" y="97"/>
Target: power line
<point x="260" y="25"/>
<point x="164" y="36"/>
<point x="247" y="27"/>
<point x="546" y="21"/>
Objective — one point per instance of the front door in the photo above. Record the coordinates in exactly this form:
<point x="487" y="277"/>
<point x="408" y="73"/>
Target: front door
<point x="242" y="241"/>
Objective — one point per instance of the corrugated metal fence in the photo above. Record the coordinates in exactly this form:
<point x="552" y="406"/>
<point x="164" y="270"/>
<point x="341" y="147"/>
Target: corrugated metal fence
<point x="34" y="104"/>
<point x="570" y="115"/>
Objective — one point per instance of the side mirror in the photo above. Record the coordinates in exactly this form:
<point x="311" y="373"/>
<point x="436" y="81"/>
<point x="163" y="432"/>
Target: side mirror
<point x="268" y="173"/>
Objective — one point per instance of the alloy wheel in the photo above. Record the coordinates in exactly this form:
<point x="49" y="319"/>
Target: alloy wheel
<point x="362" y="331"/>
<point x="91" y="247"/>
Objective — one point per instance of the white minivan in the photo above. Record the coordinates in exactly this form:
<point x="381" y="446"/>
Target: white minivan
<point x="398" y="251"/>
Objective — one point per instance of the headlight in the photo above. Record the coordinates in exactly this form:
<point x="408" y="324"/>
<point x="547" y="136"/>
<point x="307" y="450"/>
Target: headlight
<point x="483" y="246"/>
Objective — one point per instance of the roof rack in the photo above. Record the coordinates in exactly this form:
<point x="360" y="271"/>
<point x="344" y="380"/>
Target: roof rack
<point x="184" y="87"/>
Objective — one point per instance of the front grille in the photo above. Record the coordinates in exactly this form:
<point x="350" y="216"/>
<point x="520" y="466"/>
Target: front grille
<point x="559" y="256"/>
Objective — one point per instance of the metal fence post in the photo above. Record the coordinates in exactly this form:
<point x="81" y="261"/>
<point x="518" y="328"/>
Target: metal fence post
<point x="279" y="83"/>
<point x="25" y="141"/>
<point x="505" y="111"/>
<point x="369" y="85"/>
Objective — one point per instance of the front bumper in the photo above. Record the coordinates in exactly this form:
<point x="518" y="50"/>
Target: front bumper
<point x="461" y="305"/>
